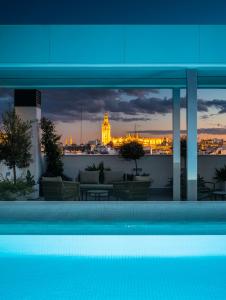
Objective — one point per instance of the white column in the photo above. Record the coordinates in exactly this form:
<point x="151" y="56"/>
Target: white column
<point x="176" y="145"/>
<point x="191" y="135"/>
<point x="27" y="106"/>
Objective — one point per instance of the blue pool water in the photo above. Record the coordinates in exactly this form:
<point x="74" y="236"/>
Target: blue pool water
<point x="113" y="228"/>
<point x="162" y="266"/>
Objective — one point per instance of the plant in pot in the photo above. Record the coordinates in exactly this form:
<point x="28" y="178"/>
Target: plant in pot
<point x="52" y="150"/>
<point x="50" y="142"/>
<point x="132" y="151"/>
<point x="15" y="153"/>
<point x="220" y="176"/>
<point x="101" y="168"/>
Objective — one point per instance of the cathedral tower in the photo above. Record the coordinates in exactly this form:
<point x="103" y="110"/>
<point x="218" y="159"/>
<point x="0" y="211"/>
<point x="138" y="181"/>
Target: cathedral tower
<point x="106" y="130"/>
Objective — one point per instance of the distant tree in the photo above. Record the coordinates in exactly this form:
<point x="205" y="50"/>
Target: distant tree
<point x="51" y="146"/>
<point x="15" y="145"/>
<point x="132" y="151"/>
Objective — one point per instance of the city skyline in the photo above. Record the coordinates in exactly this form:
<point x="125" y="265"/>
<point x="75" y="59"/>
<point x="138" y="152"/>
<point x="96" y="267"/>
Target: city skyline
<point x="150" y="110"/>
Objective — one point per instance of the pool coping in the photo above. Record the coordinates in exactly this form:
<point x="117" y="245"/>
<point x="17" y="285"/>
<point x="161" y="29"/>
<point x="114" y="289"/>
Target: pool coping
<point x="112" y="210"/>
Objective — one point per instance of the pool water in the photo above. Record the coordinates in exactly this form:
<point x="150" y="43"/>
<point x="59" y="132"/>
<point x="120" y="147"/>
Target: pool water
<point x="117" y="278"/>
<point x="106" y="267"/>
<point x="112" y="228"/>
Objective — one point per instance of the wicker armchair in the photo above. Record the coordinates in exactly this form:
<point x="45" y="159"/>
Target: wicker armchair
<point x="55" y="189"/>
<point x="131" y="190"/>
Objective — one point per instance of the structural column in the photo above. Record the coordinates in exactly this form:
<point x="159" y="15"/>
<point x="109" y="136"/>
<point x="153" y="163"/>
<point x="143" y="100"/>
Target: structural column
<point x="176" y="145"/>
<point x="191" y="135"/>
<point x="28" y="106"/>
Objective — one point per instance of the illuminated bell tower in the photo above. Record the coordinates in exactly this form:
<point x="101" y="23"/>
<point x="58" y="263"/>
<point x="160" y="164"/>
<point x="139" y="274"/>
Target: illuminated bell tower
<point x="106" y="130"/>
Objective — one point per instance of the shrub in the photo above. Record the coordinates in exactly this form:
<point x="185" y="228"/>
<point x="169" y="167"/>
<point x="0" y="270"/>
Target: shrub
<point x="50" y="143"/>
<point x="220" y="174"/>
<point x="15" y="142"/>
<point x="11" y="191"/>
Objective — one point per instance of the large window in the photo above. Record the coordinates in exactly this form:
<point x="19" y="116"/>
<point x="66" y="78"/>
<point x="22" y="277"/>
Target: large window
<point x="94" y="123"/>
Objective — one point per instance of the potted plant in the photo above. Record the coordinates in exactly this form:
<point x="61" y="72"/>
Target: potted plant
<point x="15" y="153"/>
<point x="220" y="176"/>
<point x="101" y="168"/>
<point x="132" y="151"/>
<point x="53" y="152"/>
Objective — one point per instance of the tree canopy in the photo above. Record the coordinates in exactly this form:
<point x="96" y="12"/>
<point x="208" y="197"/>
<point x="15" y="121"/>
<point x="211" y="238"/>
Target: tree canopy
<point x="15" y="141"/>
<point x="50" y="143"/>
<point x="132" y="151"/>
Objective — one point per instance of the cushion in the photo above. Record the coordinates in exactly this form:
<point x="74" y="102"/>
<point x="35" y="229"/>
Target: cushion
<point x="112" y="176"/>
<point x="52" y="179"/>
<point x="142" y="178"/>
<point x="89" y="176"/>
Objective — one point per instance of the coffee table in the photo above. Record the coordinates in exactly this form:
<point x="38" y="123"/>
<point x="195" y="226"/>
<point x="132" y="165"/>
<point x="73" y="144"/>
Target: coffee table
<point x="97" y="194"/>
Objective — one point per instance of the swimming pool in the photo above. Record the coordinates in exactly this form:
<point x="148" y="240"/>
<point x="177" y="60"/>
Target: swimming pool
<point x="138" y="260"/>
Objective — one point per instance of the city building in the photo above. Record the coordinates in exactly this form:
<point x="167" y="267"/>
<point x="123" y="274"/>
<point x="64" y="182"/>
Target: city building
<point x="106" y="130"/>
<point x="159" y="144"/>
<point x="69" y="141"/>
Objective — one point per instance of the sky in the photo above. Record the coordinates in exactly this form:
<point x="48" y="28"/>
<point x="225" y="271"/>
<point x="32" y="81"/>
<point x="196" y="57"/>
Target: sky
<point x="113" y="12"/>
<point x="149" y="110"/>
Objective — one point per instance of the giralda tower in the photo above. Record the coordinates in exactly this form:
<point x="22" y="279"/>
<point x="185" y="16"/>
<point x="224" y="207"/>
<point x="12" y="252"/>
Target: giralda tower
<point x="106" y="130"/>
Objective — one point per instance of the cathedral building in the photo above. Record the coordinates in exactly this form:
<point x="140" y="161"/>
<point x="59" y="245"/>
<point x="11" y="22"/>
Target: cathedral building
<point x="106" y="137"/>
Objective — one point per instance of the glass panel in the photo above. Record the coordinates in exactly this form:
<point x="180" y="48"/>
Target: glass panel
<point x="211" y="144"/>
<point x="95" y="123"/>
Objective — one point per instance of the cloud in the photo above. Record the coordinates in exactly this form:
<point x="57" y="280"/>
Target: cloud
<point x="219" y="104"/>
<point x="123" y="105"/>
<point x="127" y="105"/>
<point x="211" y="130"/>
<point x="6" y="100"/>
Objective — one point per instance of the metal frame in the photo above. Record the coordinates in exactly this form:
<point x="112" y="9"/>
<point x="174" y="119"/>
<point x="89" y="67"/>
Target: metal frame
<point x="192" y="134"/>
<point x="176" y="146"/>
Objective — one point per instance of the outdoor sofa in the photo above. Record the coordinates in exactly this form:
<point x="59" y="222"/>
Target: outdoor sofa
<point x="114" y="183"/>
<point x="90" y="180"/>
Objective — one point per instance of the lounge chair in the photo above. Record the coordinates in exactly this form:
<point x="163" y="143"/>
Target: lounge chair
<point x="54" y="188"/>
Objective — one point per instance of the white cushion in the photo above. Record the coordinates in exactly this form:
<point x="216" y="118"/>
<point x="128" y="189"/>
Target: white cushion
<point x="89" y="176"/>
<point x="112" y="176"/>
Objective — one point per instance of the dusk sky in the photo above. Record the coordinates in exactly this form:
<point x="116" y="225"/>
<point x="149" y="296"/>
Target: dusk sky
<point x="149" y="109"/>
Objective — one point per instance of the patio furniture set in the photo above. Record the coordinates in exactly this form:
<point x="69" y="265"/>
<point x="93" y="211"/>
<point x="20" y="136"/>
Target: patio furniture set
<point x="88" y="187"/>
